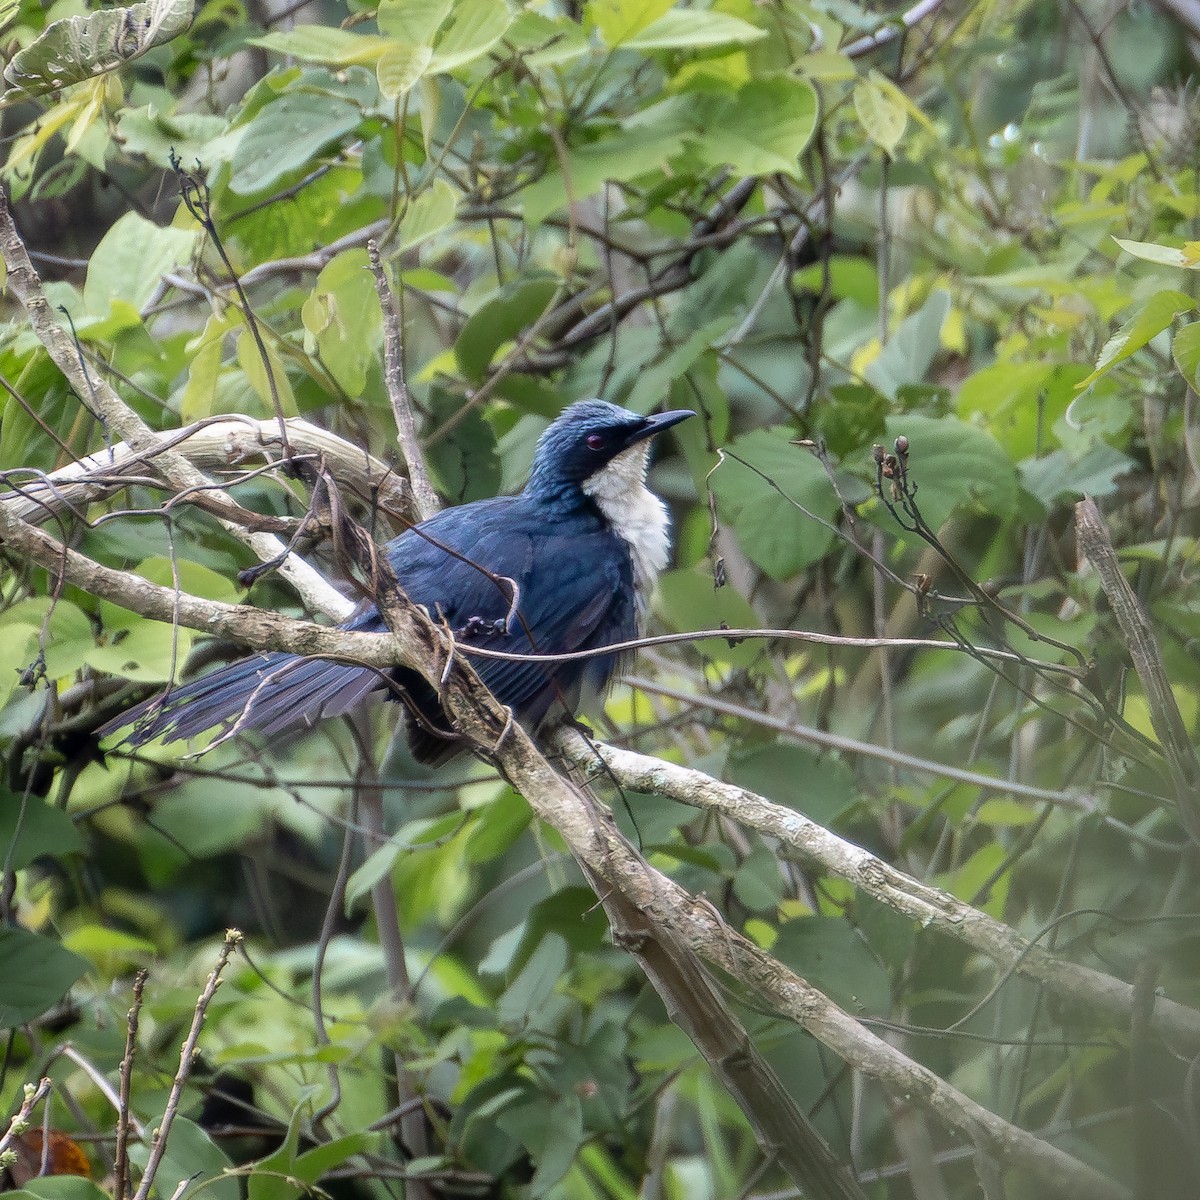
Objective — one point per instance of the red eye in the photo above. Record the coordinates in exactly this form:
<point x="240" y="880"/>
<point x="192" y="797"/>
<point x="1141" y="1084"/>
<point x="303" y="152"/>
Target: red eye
<point x="595" y="441"/>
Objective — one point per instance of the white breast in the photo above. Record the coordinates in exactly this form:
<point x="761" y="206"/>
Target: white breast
<point x="635" y="514"/>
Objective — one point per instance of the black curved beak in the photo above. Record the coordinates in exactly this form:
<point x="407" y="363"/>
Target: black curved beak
<point x="656" y="423"/>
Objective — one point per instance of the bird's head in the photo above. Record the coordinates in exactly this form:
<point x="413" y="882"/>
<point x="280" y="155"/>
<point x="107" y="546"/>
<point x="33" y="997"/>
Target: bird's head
<point x="594" y="445"/>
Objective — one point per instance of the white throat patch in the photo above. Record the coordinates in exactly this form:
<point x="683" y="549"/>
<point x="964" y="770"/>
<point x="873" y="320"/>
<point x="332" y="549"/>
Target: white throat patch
<point x="636" y="514"/>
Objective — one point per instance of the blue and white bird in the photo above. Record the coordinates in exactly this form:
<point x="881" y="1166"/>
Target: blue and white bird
<point x="584" y="543"/>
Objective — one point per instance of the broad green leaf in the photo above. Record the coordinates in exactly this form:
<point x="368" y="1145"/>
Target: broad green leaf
<point x="477" y="26"/>
<point x="344" y="319"/>
<point x="36" y="971"/>
<point x="693" y="28"/>
<point x="1166" y="256"/>
<point x="955" y="466"/>
<point x="820" y="785"/>
<point x="760" y="130"/>
<point x="1146" y="324"/>
<point x="882" y="117"/>
<point x="130" y="261"/>
<point x="399" y="67"/>
<point x="899" y="96"/>
<point x="8" y="10"/>
<point x="78" y="48"/>
<point x="761" y="500"/>
<point x="535" y="983"/>
<point x="688" y="601"/>
<point x="563" y="1136"/>
<point x="286" y="135"/>
<point x="199" y="396"/>
<point x="324" y="44"/>
<point x="376" y="866"/>
<point x="412" y="21"/>
<point x="507" y="314"/>
<point x="263" y="374"/>
<point x="427" y="213"/>
<point x="618" y="20"/>
<point x="18" y="648"/>
<point x="30" y="828"/>
<point x="621" y="158"/>
<point x="192" y="1157"/>
<point x="1185" y="348"/>
<point x="911" y="349"/>
<point x="834" y="958"/>
<point x="1061" y="473"/>
<point x="110" y="950"/>
<point x="69" y="642"/>
<point x="60" y="1187"/>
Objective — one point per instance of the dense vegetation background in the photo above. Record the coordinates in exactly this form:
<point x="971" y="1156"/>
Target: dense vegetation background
<point x="928" y="278"/>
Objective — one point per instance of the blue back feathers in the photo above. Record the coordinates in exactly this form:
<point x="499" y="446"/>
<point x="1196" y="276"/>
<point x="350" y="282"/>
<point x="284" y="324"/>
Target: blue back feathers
<point x="576" y="590"/>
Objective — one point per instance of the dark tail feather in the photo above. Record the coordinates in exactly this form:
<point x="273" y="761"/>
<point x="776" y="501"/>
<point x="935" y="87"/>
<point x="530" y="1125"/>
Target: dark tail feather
<point x="267" y="693"/>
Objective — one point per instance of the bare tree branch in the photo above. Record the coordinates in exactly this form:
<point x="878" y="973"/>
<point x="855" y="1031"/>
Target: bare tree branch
<point x="118" y="417"/>
<point x="931" y="907"/>
<point x="1140" y="640"/>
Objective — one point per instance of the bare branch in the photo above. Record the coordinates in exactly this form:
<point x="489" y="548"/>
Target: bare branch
<point x="187" y="1056"/>
<point x="1138" y="632"/>
<point x="424" y="494"/>
<point x="931" y="907"/>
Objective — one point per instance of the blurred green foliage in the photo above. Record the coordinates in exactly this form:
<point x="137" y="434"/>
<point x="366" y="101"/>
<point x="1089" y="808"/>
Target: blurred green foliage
<point x="981" y="237"/>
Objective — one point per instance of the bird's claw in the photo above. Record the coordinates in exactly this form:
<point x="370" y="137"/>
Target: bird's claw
<point x="482" y="627"/>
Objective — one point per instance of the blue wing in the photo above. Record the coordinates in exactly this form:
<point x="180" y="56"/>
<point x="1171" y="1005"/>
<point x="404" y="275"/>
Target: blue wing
<point x="574" y="591"/>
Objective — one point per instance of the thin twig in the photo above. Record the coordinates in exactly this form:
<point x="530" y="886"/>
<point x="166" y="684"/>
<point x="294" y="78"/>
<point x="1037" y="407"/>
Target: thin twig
<point x="187" y="1056"/>
<point x="425" y="495"/>
<point x="124" y="1110"/>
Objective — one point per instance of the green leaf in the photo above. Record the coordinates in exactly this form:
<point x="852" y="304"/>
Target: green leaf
<point x="688" y="601"/>
<point x="69" y="641"/>
<point x="819" y="785"/>
<point x="833" y="957"/>
<point x="535" y="983"/>
<point x="30" y="828"/>
<point x="199" y="396"/>
<point x="78" y="48"/>
<point x="1166" y="256"/>
<point x="263" y="373"/>
<point x="378" y="863"/>
<point x="617" y="20"/>
<point x="1146" y="324"/>
<point x="761" y="129"/>
<point x="761" y="500"/>
<point x="477" y="26"/>
<point x="36" y="971"/>
<point x="60" y="1187"/>
<point x="692" y="29"/>
<point x="501" y="319"/>
<point x="400" y="66"/>
<point x="1185" y="348"/>
<point x="110" y="950"/>
<point x="412" y="21"/>
<point x="18" y="648"/>
<point x="344" y="318"/>
<point x="130" y="261"/>
<point x="191" y="1156"/>
<point x="427" y="213"/>
<point x="911" y="349"/>
<point x="324" y="44"/>
<point x="883" y="119"/>
<point x="622" y="158"/>
<point x="955" y="466"/>
<point x="1095" y="473"/>
<point x="286" y="135"/>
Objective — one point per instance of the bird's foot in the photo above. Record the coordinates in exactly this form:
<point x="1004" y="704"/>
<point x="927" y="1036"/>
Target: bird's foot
<point x="482" y="627"/>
